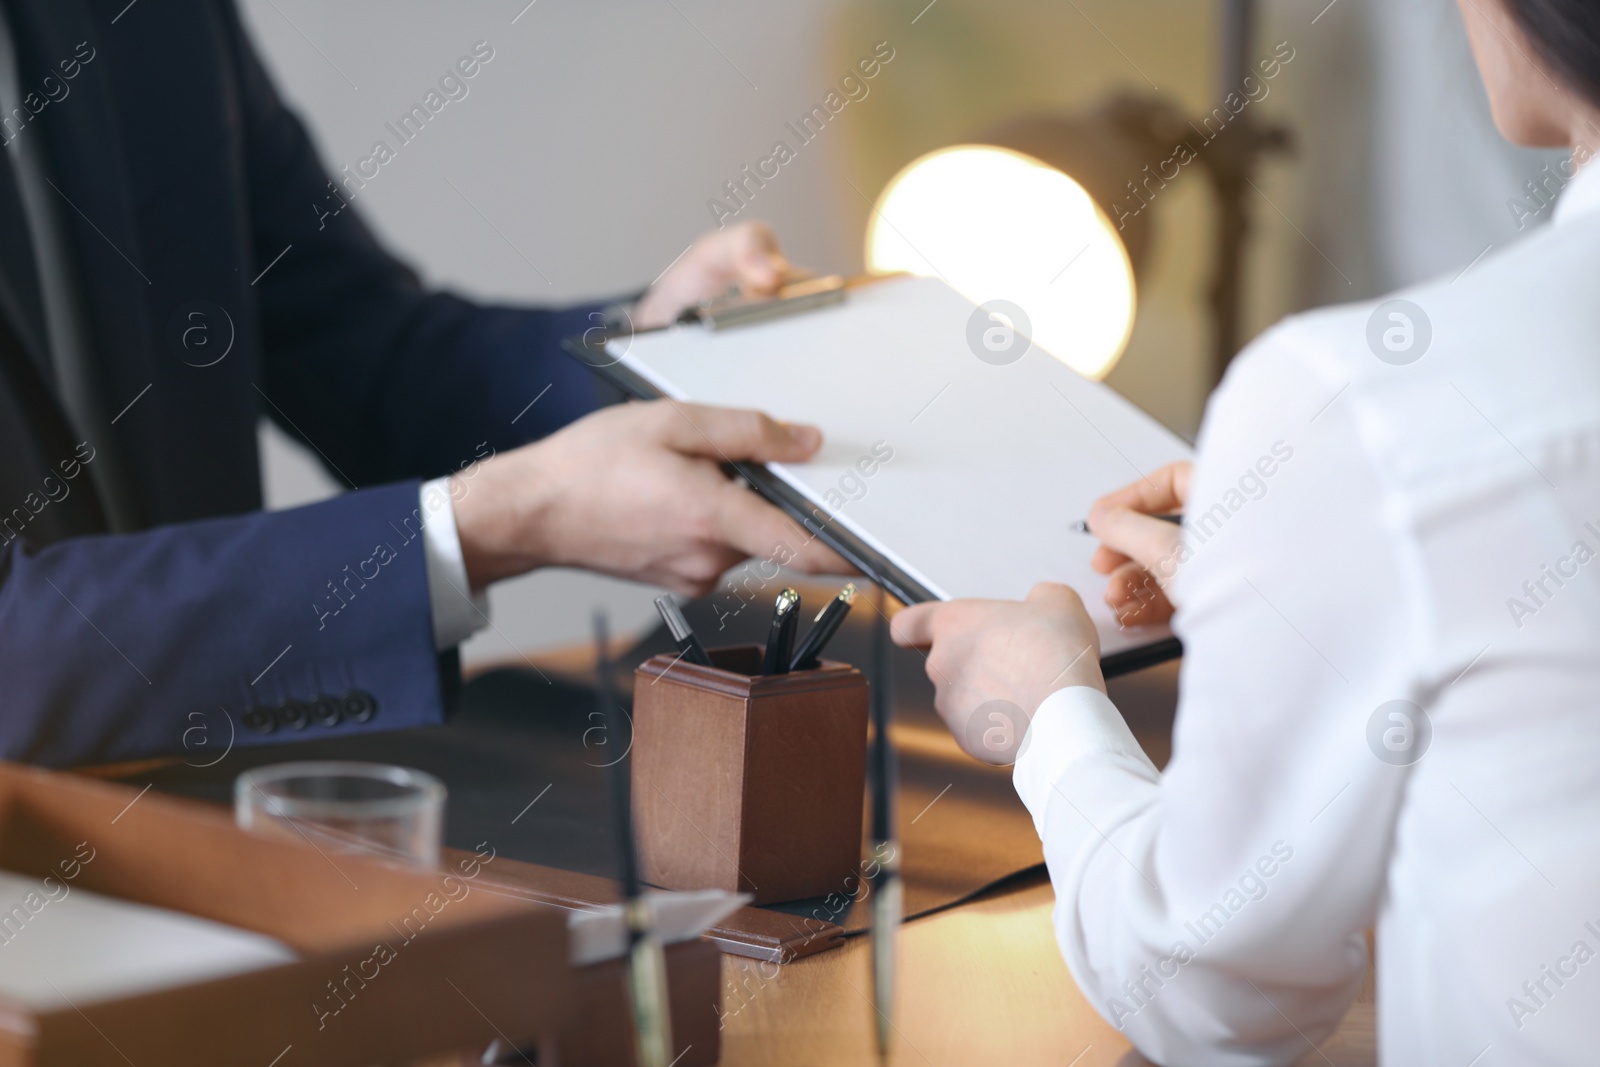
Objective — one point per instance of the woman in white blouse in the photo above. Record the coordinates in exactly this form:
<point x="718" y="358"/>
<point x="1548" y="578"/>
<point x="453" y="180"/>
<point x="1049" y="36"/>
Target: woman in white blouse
<point x="1390" y="699"/>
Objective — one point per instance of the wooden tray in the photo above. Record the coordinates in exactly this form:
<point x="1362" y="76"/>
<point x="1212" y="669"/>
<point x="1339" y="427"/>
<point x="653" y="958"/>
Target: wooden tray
<point x="484" y="965"/>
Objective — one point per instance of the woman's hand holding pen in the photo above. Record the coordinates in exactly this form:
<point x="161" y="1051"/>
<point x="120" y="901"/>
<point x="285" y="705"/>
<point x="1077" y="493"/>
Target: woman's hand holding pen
<point x="1139" y="552"/>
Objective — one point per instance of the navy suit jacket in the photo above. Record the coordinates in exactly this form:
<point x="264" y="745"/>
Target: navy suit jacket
<point x="219" y="288"/>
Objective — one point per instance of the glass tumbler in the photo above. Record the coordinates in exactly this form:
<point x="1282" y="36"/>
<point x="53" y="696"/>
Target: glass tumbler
<point x="373" y="808"/>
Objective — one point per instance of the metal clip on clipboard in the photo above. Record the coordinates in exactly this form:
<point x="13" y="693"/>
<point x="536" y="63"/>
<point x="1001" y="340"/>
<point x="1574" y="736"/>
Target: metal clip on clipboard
<point x="736" y="309"/>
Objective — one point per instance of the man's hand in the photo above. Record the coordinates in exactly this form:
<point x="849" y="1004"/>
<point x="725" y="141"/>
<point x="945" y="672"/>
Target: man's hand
<point x="992" y="662"/>
<point x="635" y="491"/>
<point x="1139" y="553"/>
<point x="745" y="254"/>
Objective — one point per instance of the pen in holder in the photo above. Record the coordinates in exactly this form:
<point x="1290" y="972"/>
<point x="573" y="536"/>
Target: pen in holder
<point x="749" y="782"/>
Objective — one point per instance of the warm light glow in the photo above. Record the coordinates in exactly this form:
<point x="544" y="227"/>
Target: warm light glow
<point x="1000" y="225"/>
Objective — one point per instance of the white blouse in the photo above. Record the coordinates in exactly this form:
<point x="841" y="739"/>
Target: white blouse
<point x="1390" y="699"/>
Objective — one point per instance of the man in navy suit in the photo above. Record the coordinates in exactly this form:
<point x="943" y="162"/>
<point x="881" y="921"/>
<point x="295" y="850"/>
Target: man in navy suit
<point x="169" y="273"/>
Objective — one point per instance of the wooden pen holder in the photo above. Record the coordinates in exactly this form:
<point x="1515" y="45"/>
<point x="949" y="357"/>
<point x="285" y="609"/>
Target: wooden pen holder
<point x="748" y="782"/>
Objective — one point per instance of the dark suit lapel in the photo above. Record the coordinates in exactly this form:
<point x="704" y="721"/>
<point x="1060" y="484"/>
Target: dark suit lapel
<point x="88" y="164"/>
<point x="89" y="170"/>
<point x="41" y="458"/>
<point x="20" y="302"/>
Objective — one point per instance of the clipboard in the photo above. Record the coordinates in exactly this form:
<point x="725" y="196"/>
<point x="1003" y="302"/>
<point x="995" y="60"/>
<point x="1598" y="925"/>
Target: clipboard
<point x="611" y="354"/>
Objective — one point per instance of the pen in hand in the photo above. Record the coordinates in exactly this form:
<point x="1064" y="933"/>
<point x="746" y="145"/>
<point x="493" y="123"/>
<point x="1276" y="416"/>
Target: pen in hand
<point x="1082" y="525"/>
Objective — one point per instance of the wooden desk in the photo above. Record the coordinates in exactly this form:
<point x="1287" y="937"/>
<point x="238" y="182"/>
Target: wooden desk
<point x="979" y="984"/>
<point x="982" y="983"/>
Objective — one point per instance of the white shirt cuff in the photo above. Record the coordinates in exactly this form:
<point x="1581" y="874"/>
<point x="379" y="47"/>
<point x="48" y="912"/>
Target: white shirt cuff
<point x="458" y="612"/>
<point x="1072" y="723"/>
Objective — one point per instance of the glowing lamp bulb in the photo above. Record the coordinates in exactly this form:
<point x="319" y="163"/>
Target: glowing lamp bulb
<point x="1001" y="225"/>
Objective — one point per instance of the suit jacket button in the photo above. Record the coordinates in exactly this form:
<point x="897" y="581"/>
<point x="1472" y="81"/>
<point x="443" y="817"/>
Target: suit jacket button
<point x="360" y="705"/>
<point x="260" y="719"/>
<point x="325" y="711"/>
<point x="294" y="714"/>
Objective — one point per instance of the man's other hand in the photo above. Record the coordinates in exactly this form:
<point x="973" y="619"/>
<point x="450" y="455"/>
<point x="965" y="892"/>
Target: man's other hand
<point x="745" y="254"/>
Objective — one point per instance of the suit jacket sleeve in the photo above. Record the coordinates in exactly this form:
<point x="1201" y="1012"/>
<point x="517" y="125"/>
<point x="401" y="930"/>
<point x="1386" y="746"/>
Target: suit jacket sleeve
<point x="194" y="637"/>
<point x="386" y="379"/>
<point x="186" y="638"/>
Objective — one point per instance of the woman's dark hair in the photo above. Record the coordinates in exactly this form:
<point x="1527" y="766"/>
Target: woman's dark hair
<point x="1567" y="34"/>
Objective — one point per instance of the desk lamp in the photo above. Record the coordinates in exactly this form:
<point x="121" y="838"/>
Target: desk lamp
<point x="1047" y="212"/>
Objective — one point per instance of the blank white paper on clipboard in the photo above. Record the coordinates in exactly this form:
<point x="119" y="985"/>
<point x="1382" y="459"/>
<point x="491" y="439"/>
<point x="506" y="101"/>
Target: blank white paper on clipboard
<point x="991" y="464"/>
